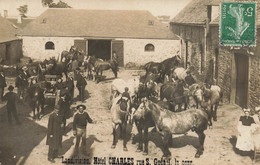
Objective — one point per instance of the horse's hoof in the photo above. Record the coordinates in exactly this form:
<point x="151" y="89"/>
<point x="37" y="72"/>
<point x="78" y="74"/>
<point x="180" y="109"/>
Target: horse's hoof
<point x="113" y="146"/>
<point x="166" y="157"/>
<point x="197" y="155"/>
<point x="145" y="153"/>
<point x="138" y="150"/>
<point x="125" y="149"/>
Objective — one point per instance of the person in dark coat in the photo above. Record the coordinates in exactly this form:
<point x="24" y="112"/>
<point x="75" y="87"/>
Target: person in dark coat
<point x="115" y="59"/>
<point x="2" y="84"/>
<point x="60" y="86"/>
<point x="11" y="99"/>
<point x="81" y="85"/>
<point x="64" y="108"/>
<point x="25" y="83"/>
<point x="54" y="135"/>
<point x="70" y="86"/>
<point x="81" y="119"/>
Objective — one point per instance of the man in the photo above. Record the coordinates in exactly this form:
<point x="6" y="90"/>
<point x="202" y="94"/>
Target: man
<point x="2" y="84"/>
<point x="64" y="108"/>
<point x="22" y="83"/>
<point x="70" y="86"/>
<point x="115" y="59"/>
<point x="60" y="86"/>
<point x="81" y="85"/>
<point x="11" y="99"/>
<point x="54" y="134"/>
<point x="80" y="125"/>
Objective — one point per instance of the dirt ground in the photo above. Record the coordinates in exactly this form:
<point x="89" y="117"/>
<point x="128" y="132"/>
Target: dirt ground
<point x="26" y="143"/>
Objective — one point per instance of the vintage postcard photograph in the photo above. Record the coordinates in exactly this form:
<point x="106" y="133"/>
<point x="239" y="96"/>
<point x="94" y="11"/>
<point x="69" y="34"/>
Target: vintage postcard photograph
<point x="129" y="82"/>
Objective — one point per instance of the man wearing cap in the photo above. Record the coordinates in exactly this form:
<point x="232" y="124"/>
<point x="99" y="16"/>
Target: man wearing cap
<point x="2" y="83"/>
<point x="11" y="99"/>
<point x="59" y="86"/>
<point x="80" y="125"/>
<point x="54" y="135"/>
<point x="81" y="85"/>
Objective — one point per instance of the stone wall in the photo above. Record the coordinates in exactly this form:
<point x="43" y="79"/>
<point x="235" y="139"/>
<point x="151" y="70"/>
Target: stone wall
<point x="34" y="47"/>
<point x="134" y="50"/>
<point x="13" y="54"/>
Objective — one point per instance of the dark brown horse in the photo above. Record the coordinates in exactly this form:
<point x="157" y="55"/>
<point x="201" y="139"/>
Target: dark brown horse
<point x="143" y="122"/>
<point x="70" y="55"/>
<point x="53" y="67"/>
<point x="168" y="123"/>
<point x="100" y="65"/>
<point x="175" y="94"/>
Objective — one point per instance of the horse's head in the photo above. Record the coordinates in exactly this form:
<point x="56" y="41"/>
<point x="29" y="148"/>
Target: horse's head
<point x="140" y="112"/>
<point x="198" y="94"/>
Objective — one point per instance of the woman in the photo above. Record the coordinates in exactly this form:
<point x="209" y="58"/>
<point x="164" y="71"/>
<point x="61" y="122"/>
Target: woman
<point x="246" y="126"/>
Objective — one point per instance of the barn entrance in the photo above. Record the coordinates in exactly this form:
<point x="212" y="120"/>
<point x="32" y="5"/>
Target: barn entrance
<point x="242" y="64"/>
<point x="100" y="48"/>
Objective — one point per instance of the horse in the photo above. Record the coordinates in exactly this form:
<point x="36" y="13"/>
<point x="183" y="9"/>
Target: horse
<point x="70" y="55"/>
<point x="210" y="100"/>
<point x="37" y="101"/>
<point x="168" y="123"/>
<point x="54" y="67"/>
<point x="143" y="122"/>
<point x="196" y="92"/>
<point x="119" y="118"/>
<point x="175" y="94"/>
<point x="168" y="65"/>
<point x="153" y="67"/>
<point x="100" y="66"/>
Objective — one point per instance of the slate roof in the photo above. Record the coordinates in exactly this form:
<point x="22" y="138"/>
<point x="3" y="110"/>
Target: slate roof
<point x="97" y="23"/>
<point x="7" y="30"/>
<point x="195" y="12"/>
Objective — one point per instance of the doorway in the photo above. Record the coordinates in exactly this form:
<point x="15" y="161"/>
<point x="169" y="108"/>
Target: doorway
<point x="242" y="63"/>
<point x="100" y="48"/>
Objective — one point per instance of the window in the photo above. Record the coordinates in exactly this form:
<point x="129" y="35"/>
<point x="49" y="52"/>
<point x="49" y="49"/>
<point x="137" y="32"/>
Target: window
<point x="149" y="48"/>
<point x="49" y="45"/>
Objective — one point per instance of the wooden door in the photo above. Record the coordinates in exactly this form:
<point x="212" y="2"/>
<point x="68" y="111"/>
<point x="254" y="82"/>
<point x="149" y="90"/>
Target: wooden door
<point x="241" y="79"/>
<point x="118" y="47"/>
<point x="81" y="45"/>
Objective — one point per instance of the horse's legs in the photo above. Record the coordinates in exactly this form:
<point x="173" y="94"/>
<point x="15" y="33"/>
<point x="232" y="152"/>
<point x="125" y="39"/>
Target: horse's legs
<point x="215" y="112"/>
<point x="145" y="141"/>
<point x="34" y="112"/>
<point x="114" y="136"/>
<point x="124" y="135"/>
<point x="202" y="137"/>
<point x="140" y="138"/>
<point x="166" y="138"/>
<point x="121" y="131"/>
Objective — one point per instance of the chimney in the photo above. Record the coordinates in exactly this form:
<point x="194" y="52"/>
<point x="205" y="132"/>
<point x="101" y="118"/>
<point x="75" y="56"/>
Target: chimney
<point x="19" y="19"/>
<point x="5" y="13"/>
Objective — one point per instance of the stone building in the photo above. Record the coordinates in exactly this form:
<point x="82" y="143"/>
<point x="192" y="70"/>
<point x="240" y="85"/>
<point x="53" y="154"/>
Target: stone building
<point x="136" y="36"/>
<point x="10" y="45"/>
<point x="235" y="69"/>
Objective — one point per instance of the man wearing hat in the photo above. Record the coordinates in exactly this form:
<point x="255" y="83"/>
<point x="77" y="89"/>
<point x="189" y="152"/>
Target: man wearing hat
<point x="81" y="85"/>
<point x="80" y="125"/>
<point x="54" y="134"/>
<point x="11" y="99"/>
<point x="59" y="86"/>
<point x="2" y="83"/>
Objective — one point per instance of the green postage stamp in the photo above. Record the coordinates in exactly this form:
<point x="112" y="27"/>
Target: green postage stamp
<point x="238" y="24"/>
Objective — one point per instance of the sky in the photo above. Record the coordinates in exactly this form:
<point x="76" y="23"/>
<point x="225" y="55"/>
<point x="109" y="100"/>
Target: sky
<point x="156" y="7"/>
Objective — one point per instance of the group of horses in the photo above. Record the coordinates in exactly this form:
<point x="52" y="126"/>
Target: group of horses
<point x="149" y="109"/>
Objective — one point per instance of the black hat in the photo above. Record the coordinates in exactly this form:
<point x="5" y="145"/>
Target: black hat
<point x="10" y="88"/>
<point x="81" y="105"/>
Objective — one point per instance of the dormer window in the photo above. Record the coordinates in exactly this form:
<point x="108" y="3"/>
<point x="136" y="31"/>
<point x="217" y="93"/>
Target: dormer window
<point x="150" y="22"/>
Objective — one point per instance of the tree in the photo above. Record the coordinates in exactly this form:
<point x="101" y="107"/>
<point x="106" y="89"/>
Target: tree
<point x="23" y="10"/>
<point x="51" y="4"/>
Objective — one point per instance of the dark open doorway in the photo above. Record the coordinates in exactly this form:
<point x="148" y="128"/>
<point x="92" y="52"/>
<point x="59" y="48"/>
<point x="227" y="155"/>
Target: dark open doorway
<point x="242" y="64"/>
<point x="100" y="48"/>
